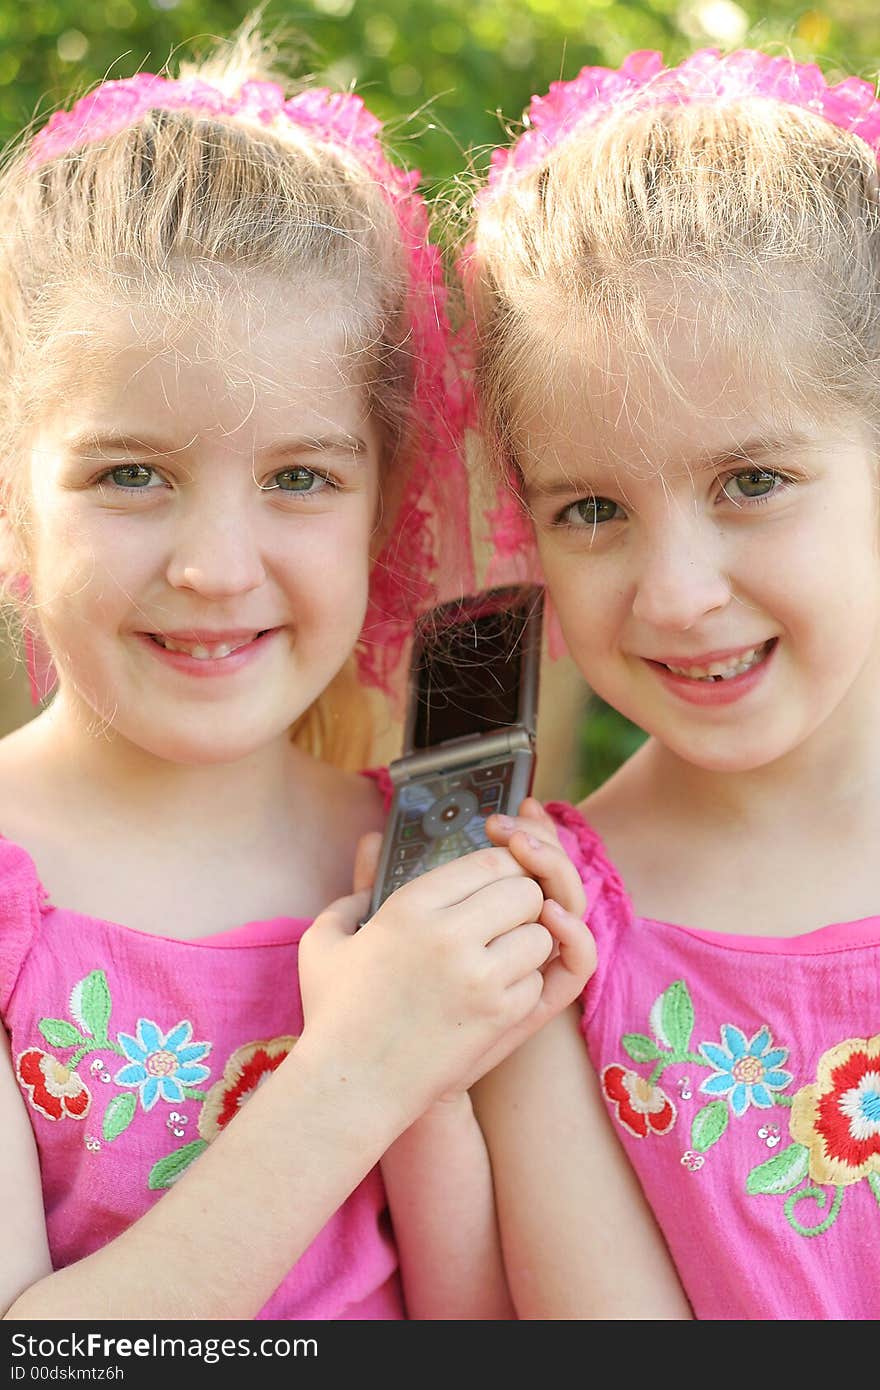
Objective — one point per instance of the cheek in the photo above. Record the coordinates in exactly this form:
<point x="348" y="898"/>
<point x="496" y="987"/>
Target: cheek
<point x="584" y="591"/>
<point x="325" y="561"/>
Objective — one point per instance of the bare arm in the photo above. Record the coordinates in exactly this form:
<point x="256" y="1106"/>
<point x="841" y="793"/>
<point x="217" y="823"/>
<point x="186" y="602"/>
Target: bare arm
<point x="223" y="1238"/>
<point x="439" y="1185"/>
<point x="25" y="1257"/>
<point x="579" y="1239"/>
<point x="437" y="1175"/>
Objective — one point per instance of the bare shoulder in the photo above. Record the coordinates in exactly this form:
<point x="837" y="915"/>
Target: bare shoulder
<point x="343" y="807"/>
<point x="349" y="803"/>
<point x="24" y="779"/>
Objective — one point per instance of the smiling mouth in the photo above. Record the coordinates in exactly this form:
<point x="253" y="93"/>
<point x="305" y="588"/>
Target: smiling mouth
<point x="206" y="651"/>
<point x="725" y="670"/>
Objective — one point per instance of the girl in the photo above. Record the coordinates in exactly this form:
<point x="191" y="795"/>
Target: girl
<point x="226" y="447"/>
<point x="676" y="279"/>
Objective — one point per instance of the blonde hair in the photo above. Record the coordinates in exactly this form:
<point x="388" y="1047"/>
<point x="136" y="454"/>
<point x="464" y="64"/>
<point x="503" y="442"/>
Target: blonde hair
<point x="150" y="215"/>
<point x="743" y="207"/>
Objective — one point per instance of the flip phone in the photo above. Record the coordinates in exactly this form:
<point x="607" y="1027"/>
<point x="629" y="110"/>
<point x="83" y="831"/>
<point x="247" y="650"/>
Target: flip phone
<point x="469" y="736"/>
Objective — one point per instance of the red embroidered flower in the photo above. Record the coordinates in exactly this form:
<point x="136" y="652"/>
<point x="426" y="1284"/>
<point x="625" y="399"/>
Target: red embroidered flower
<point x="838" y="1119"/>
<point x="641" y="1106"/>
<point x="247" y="1068"/>
<point x="54" y="1089"/>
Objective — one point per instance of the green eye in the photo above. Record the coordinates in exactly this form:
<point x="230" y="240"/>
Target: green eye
<point x="131" y="475"/>
<point x="297" y="480"/>
<point x="592" y="511"/>
<point x="754" y="482"/>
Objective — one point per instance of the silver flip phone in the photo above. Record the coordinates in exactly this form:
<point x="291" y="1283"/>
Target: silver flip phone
<point x="469" y="738"/>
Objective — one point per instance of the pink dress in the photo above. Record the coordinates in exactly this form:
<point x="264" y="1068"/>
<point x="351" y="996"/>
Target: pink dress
<point x="742" y="1076"/>
<point x="133" y="1051"/>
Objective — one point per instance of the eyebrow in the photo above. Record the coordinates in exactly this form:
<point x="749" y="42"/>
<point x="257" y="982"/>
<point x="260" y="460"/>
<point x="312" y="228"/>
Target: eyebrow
<point x="754" y="450"/>
<point x="317" y="444"/>
<point x="85" y="444"/>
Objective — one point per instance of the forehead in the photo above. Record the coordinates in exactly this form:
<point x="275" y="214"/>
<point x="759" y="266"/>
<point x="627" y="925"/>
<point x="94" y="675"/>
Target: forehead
<point x="655" y="394"/>
<point x="240" y="345"/>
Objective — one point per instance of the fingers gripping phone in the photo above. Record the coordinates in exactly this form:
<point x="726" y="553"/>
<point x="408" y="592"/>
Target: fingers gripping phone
<point x="469" y="736"/>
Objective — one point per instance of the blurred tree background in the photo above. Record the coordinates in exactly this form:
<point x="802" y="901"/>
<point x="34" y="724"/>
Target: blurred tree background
<point x="448" y="75"/>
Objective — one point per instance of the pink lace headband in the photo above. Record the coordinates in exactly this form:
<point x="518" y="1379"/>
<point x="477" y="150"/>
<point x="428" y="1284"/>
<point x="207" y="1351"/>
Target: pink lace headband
<point x="707" y="75"/>
<point x="428" y="556"/>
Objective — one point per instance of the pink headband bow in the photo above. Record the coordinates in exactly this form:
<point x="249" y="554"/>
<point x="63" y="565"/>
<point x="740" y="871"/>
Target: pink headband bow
<point x="428" y="556"/>
<point x="707" y="76"/>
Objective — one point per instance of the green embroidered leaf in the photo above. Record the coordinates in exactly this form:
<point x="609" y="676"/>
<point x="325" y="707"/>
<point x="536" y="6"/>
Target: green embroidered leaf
<point x="640" y="1048"/>
<point x="677" y="1016"/>
<point x="168" y="1170"/>
<point x="90" y="1004"/>
<point x="59" y="1033"/>
<point x="709" y="1124"/>
<point x="780" y="1174"/>
<point x="874" y="1184"/>
<point x="119" y="1115"/>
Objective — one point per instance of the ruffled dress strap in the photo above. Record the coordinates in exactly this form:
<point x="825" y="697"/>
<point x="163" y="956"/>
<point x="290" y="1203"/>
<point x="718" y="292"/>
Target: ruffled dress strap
<point x="382" y="777"/>
<point x="609" y="912"/>
<point x="21" y="901"/>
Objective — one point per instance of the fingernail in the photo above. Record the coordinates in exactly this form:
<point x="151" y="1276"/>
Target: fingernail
<point x="552" y="906"/>
<point x="533" y="843"/>
<point x="505" y="822"/>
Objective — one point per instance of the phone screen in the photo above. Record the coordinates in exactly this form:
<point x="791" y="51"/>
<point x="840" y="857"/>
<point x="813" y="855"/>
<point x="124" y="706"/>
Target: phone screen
<point x="468" y="678"/>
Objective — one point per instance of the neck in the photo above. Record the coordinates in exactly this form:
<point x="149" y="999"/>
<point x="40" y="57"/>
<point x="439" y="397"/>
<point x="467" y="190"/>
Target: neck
<point x="132" y="782"/>
<point x="837" y="766"/>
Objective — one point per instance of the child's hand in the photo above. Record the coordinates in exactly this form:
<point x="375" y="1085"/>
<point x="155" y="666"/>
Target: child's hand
<point x="450" y="964"/>
<point x="533" y="841"/>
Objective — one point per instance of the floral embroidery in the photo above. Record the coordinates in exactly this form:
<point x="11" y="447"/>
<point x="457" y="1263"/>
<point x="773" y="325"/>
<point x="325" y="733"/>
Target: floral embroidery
<point x="161" y="1064"/>
<point x="771" y="1134"/>
<point x="641" y="1107"/>
<point x="54" y="1089"/>
<point x="246" y="1070"/>
<point x="692" y="1161"/>
<point x="155" y="1064"/>
<point x="747" y="1071"/>
<point x="838" y="1119"/>
<point x="834" y="1123"/>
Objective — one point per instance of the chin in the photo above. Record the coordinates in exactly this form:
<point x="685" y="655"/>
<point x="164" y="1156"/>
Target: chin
<point x="730" y="759"/>
<point x="203" y="745"/>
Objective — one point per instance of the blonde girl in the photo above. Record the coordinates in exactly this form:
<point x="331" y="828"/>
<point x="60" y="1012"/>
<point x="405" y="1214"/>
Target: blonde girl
<point x="676" y="282"/>
<point x="229" y="469"/>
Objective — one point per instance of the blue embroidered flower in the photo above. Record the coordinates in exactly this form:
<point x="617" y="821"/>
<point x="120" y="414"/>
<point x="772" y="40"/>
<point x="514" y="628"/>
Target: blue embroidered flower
<point x="161" y="1065"/>
<point x="746" y="1071"/>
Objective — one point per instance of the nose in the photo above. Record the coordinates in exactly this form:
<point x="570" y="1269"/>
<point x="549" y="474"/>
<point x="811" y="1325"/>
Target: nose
<point x="681" y="580"/>
<point x="216" y="554"/>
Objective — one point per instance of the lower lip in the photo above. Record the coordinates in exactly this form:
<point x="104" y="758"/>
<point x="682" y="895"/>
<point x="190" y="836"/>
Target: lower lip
<point x="211" y="666"/>
<point x="703" y="692"/>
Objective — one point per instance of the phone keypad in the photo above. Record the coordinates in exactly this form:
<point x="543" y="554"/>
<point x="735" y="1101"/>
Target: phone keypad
<point x="441" y="818"/>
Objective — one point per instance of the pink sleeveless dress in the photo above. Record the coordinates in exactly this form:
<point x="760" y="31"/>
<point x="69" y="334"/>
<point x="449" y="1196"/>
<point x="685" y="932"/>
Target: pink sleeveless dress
<point x="742" y="1077"/>
<point x="133" y="1051"/>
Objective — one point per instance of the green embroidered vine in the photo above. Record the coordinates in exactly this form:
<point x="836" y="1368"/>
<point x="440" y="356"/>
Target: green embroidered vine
<point x="820" y="1197"/>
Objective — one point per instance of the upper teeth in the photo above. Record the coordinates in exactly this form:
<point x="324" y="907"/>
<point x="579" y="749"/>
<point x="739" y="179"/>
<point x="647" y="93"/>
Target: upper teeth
<point x="200" y="650"/>
<point x="723" y="670"/>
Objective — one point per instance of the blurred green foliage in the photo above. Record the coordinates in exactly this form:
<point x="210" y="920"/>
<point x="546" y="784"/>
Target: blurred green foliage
<point x="447" y="76"/>
<point x="448" y="73"/>
<point x="605" y="740"/>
